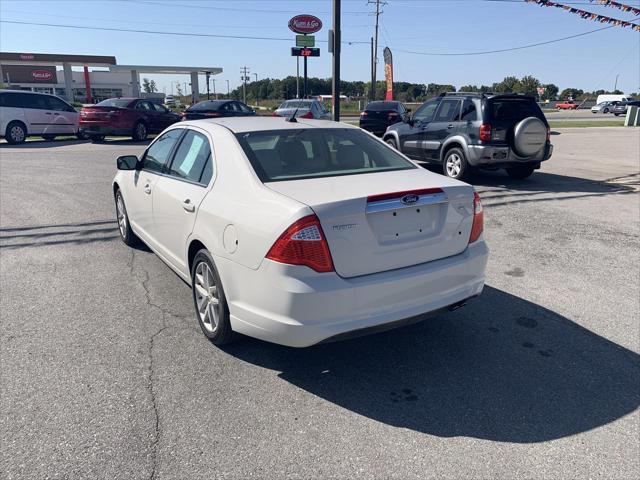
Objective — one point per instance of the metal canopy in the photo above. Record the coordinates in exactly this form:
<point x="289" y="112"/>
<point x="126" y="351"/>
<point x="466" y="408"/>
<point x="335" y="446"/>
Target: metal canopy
<point x="163" y="69"/>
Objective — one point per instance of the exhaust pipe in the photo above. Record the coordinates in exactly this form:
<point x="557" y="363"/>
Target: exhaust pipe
<point x="456" y="306"/>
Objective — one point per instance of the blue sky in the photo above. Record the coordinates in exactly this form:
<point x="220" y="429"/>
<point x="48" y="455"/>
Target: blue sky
<point x="446" y="26"/>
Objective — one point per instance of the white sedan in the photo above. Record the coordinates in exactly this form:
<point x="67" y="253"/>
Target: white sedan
<point x="297" y="232"/>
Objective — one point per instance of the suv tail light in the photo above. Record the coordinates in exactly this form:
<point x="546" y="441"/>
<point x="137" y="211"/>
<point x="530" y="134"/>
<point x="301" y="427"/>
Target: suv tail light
<point x="478" y="219"/>
<point x="485" y="132"/>
<point x="392" y="115"/>
<point x="307" y="115"/>
<point x="364" y="114"/>
<point x="303" y="243"/>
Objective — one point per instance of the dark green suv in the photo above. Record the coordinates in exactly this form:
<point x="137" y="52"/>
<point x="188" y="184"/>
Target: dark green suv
<point x="462" y="131"/>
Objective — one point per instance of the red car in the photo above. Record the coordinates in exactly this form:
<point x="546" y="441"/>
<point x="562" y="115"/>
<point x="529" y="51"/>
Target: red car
<point x="567" y="105"/>
<point x="134" y="117"/>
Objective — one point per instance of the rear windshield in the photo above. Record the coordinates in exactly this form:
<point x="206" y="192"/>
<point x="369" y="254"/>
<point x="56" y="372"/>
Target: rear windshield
<point x="377" y="106"/>
<point x="319" y="152"/>
<point x="508" y="109"/>
<point x="208" y="105"/>
<point x="297" y="104"/>
<point x="114" y="102"/>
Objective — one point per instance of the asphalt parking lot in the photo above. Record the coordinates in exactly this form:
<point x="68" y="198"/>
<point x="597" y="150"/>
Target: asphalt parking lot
<point x="106" y="374"/>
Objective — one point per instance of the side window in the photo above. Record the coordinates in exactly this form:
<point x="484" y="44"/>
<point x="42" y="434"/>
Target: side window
<point x="192" y="160"/>
<point x="159" y="108"/>
<point x="144" y="106"/>
<point x="244" y="108"/>
<point x="227" y="107"/>
<point x="38" y="102"/>
<point x="449" y="110"/>
<point x="427" y="111"/>
<point x="158" y="153"/>
<point x="58" y="105"/>
<point x="468" y="111"/>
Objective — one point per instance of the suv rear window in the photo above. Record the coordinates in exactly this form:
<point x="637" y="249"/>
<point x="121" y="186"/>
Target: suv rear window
<point x="511" y="109"/>
<point x="317" y="152"/>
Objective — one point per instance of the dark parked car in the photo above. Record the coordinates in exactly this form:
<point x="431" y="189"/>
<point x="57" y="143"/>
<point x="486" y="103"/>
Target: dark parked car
<point x="621" y="108"/>
<point x="379" y="115"/>
<point x="461" y="131"/>
<point x="216" y="109"/>
<point x="134" y="117"/>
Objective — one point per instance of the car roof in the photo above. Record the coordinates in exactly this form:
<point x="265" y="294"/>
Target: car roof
<point x="7" y="90"/>
<point x="257" y="124"/>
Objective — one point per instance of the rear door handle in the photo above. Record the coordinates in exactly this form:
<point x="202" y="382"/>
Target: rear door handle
<point x="450" y="126"/>
<point x="48" y="113"/>
<point x="147" y="189"/>
<point x="188" y="206"/>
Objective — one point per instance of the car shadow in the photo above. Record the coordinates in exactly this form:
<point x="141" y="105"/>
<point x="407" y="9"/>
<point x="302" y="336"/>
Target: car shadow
<point x="503" y="369"/>
<point x="30" y="144"/>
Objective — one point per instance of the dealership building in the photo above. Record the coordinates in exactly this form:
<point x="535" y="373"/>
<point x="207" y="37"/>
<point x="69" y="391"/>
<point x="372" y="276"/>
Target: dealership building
<point x="53" y="73"/>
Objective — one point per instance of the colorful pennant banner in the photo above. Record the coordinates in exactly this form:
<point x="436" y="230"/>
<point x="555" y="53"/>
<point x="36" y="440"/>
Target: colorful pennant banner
<point x="592" y="16"/>
<point x="620" y="6"/>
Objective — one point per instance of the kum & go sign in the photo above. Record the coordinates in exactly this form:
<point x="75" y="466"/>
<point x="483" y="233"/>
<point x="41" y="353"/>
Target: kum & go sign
<point x="305" y="24"/>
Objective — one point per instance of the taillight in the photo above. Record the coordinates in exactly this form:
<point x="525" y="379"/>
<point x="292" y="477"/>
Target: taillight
<point x="485" y="132"/>
<point x="548" y="134"/>
<point x="478" y="219"/>
<point x="364" y="114"/>
<point x="392" y="115"/>
<point x="211" y="114"/>
<point x="303" y="243"/>
<point x="274" y="114"/>
<point x="307" y="115"/>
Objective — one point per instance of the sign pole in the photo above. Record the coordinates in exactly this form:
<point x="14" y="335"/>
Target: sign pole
<point x="336" y="60"/>
<point x="297" y="77"/>
<point x="305" y="78"/>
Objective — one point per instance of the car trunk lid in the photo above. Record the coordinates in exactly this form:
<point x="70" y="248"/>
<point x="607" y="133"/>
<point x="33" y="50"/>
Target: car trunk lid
<point x="99" y="112"/>
<point x="388" y="220"/>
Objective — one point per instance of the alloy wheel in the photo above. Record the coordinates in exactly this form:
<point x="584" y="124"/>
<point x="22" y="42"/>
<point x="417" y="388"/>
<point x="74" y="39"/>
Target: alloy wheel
<point x="122" y="216"/>
<point x="17" y="134"/>
<point x="141" y="131"/>
<point x="206" y="297"/>
<point x="454" y="165"/>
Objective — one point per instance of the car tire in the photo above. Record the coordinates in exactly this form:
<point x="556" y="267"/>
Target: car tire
<point x="82" y="136"/>
<point x="455" y="164"/>
<point x="391" y="142"/>
<point x="16" y="133"/>
<point x="520" y="172"/>
<point x="616" y="114"/>
<point x="49" y="138"/>
<point x="124" y="226"/>
<point x="140" y="132"/>
<point x="606" y="110"/>
<point x="210" y="303"/>
<point x="96" y="138"/>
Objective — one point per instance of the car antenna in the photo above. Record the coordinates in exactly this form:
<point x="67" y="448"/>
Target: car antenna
<point x="292" y="118"/>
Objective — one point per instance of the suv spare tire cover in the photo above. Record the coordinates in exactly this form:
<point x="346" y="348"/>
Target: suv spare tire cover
<point x="529" y="136"/>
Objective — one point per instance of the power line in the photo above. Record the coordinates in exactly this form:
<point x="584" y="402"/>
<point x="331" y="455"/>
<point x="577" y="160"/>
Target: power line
<point x="245" y="37"/>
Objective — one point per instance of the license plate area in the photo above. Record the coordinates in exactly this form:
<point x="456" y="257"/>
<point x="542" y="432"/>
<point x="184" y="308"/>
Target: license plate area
<point x="408" y="224"/>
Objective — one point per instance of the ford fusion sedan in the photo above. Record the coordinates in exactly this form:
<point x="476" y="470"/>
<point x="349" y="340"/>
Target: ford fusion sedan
<point x="129" y="117"/>
<point x="298" y="232"/>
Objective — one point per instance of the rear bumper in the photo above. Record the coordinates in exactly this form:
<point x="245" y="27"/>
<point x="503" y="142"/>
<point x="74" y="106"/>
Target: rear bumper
<point x="377" y="127"/>
<point x="104" y="128"/>
<point x="295" y="306"/>
<point x="501" y="156"/>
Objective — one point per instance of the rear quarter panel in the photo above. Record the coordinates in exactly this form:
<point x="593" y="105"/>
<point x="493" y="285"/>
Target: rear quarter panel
<point x="241" y="205"/>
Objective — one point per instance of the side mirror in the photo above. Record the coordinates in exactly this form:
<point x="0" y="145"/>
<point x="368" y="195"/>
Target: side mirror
<point x="127" y="162"/>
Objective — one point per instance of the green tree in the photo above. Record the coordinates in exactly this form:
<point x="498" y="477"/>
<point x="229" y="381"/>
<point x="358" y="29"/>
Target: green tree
<point x="550" y="92"/>
<point x="507" y="85"/>
<point x="152" y="86"/>
<point x="527" y="85"/>
<point x="573" y="93"/>
<point x="146" y="85"/>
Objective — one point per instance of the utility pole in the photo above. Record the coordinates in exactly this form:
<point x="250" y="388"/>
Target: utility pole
<point x="257" y="90"/>
<point x="336" y="61"/>
<point x="213" y="80"/>
<point x="374" y="56"/>
<point x="206" y="76"/>
<point x="228" y="90"/>
<point x="245" y="77"/>
<point x="372" y="90"/>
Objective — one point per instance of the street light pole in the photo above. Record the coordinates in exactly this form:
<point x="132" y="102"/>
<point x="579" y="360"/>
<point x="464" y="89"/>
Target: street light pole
<point x="336" y="61"/>
<point x="228" y="91"/>
<point x="616" y="85"/>
<point x="257" y="90"/>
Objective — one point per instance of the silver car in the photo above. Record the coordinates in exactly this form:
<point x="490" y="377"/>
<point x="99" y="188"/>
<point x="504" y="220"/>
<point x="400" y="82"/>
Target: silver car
<point x="603" y="107"/>
<point x="303" y="109"/>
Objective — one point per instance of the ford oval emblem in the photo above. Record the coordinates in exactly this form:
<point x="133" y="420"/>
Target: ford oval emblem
<point x="410" y="199"/>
